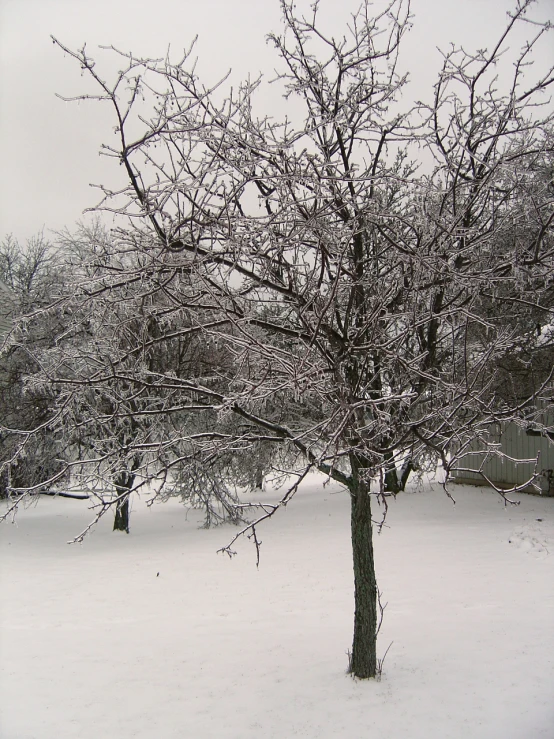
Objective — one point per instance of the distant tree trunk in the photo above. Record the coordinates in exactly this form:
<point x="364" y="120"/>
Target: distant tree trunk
<point x="395" y="483"/>
<point x="363" y="659"/>
<point x="123" y="483"/>
<point x="259" y="478"/>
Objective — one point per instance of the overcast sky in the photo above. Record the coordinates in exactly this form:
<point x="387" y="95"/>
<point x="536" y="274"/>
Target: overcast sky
<point x="49" y="149"/>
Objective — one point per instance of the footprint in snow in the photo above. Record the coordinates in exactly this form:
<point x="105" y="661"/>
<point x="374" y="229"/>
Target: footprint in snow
<point x="530" y="538"/>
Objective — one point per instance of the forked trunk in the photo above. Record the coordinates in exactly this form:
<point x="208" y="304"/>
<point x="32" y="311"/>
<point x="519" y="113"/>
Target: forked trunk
<point x="363" y="659"/>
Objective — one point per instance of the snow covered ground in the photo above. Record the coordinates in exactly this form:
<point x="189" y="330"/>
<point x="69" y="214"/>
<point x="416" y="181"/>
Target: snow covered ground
<point x="95" y="644"/>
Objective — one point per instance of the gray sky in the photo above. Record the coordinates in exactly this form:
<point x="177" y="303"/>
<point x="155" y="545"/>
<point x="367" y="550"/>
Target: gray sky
<point x="49" y="149"/>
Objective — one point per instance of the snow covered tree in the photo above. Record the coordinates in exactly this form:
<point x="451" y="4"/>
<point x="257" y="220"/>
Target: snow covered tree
<point x="122" y="310"/>
<point x="364" y="300"/>
<point x="32" y="273"/>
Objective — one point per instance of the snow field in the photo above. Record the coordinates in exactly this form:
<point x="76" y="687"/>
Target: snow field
<point x="94" y="643"/>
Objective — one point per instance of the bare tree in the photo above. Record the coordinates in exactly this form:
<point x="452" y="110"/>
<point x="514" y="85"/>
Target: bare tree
<point x="127" y="308"/>
<point x="365" y="303"/>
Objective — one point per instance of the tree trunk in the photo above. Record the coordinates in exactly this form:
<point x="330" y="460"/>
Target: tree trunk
<point x="363" y="659"/>
<point x="121" y="520"/>
<point x="259" y="478"/>
<point x="124" y="482"/>
<point x="395" y="483"/>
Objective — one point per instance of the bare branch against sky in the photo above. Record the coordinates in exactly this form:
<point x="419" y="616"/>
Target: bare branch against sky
<point x="49" y="149"/>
